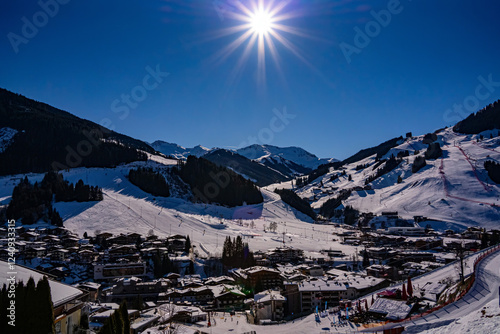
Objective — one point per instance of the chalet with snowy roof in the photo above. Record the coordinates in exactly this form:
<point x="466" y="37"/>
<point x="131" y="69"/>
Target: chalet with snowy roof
<point x="391" y="309"/>
<point x="267" y="278"/>
<point x="67" y="300"/>
<point x="219" y="280"/>
<point x="200" y="295"/>
<point x="129" y="288"/>
<point x="227" y="297"/>
<point x="110" y="271"/>
<point x="381" y="271"/>
<point x="176" y="242"/>
<point x="269" y="305"/>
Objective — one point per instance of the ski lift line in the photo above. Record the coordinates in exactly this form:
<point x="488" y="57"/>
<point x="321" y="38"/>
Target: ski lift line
<point x="140" y="218"/>
<point x="447" y="192"/>
<point x="473" y="168"/>
<point x="484" y="148"/>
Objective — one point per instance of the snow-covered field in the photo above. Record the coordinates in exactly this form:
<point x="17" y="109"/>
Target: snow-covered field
<point x="126" y="208"/>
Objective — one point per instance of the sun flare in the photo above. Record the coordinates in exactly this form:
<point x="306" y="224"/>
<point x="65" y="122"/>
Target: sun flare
<point x="264" y="25"/>
<point x="262" y="22"/>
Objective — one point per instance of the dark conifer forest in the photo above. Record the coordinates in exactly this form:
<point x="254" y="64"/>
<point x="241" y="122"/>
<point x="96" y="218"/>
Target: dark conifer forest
<point x="149" y="181"/>
<point x="294" y="200"/>
<point x="51" y="139"/>
<point x="215" y="184"/>
<point x="32" y="202"/>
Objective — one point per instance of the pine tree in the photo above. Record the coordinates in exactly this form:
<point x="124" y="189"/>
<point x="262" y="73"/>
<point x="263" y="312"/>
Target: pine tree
<point x="366" y="259"/>
<point x="118" y="320"/>
<point x="227" y="251"/>
<point x="46" y="308"/>
<point x="191" y="268"/>
<point x="33" y="317"/>
<point x="187" y="246"/>
<point x="4" y="304"/>
<point x="124" y="314"/>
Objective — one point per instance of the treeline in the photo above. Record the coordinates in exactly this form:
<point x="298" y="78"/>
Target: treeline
<point x="211" y="183"/>
<point x="362" y="166"/>
<point x="52" y="139"/>
<point x="32" y="202"/>
<point x="236" y="254"/>
<point x="493" y="169"/>
<point x="67" y="192"/>
<point x="390" y="164"/>
<point x="118" y="322"/>
<point x="487" y="118"/>
<point x="380" y="150"/>
<point x="296" y="202"/>
<point x="33" y="308"/>
<point x="149" y="181"/>
<point x="328" y="208"/>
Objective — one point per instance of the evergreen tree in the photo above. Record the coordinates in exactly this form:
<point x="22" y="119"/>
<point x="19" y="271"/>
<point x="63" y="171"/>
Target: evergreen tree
<point x="118" y="321"/>
<point x="366" y="259"/>
<point x="191" y="268"/>
<point x="33" y="318"/>
<point x="227" y="251"/>
<point x="4" y="304"/>
<point x="46" y="308"/>
<point x="187" y="246"/>
<point x="124" y="315"/>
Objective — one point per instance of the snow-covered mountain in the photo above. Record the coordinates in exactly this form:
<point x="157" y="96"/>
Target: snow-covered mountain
<point x="290" y="161"/>
<point x="177" y="151"/>
<point x="294" y="154"/>
<point x="453" y="189"/>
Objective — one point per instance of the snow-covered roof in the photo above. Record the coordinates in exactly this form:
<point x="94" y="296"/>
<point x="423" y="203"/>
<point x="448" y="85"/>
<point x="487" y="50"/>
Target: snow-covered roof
<point x="60" y="292"/>
<point x="321" y="285"/>
<point x="393" y="309"/>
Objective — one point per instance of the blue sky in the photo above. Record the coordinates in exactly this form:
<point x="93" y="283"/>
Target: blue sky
<point x="90" y="53"/>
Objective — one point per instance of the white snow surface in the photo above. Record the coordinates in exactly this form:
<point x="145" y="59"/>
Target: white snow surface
<point x="454" y="190"/>
<point x="126" y="208"/>
<point x="295" y="154"/>
<point x="177" y="151"/>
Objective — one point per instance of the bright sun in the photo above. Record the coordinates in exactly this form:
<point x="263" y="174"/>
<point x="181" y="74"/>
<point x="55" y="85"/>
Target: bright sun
<point x="261" y="22"/>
